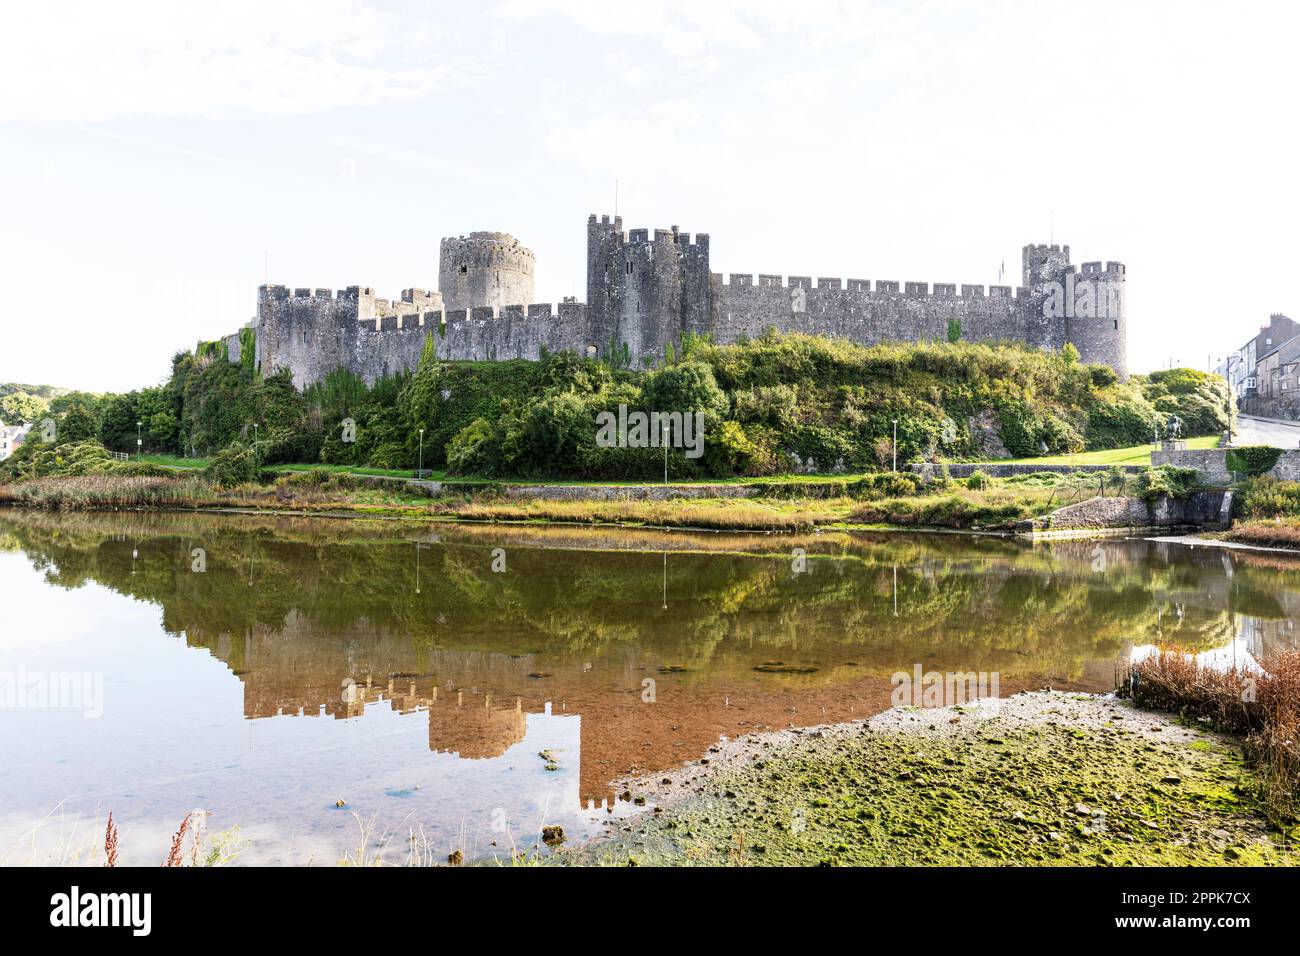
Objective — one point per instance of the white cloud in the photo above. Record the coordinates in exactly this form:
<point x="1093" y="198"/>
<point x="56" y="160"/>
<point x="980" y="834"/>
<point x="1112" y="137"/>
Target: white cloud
<point x="76" y="60"/>
<point x="685" y="28"/>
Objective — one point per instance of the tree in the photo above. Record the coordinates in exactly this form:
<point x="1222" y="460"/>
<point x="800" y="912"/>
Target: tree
<point x="79" y="423"/>
<point x="20" y="408"/>
<point x="1070" y="354"/>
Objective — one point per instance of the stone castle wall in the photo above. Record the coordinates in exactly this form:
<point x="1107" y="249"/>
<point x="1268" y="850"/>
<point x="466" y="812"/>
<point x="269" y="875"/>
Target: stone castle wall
<point x="646" y="289"/>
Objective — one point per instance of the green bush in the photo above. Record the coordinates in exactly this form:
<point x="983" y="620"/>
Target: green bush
<point x="1121" y="417"/>
<point x="1267" y="498"/>
<point x="1252" y="460"/>
<point x="1166" y="481"/>
<point x="236" y="464"/>
<point x="977" y="480"/>
<point x="475" y="450"/>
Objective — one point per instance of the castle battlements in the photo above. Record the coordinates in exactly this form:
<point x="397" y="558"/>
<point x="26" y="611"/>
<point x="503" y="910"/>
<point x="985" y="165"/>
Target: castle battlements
<point x="646" y="289"/>
<point x="917" y="290"/>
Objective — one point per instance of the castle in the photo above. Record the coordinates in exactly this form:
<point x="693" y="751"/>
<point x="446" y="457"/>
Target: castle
<point x="646" y="289"/>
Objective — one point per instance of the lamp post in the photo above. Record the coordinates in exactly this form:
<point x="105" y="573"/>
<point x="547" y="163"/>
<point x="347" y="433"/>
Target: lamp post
<point x="254" y="441"/>
<point x="420" y="473"/>
<point x="664" y="441"/>
<point x="895" y="444"/>
<point x="139" y="442"/>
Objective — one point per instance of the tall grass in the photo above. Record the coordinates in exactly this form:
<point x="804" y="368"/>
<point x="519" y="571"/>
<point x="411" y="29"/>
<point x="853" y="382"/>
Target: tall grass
<point x="107" y="491"/>
<point x="1264" y="706"/>
<point x="1278" y="533"/>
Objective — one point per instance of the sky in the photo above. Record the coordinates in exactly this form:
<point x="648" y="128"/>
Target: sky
<point x="159" y="161"/>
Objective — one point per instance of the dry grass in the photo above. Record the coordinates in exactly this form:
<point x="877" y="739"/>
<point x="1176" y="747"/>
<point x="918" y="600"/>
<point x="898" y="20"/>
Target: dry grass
<point x="995" y="507"/>
<point x="1277" y="533"/>
<point x="721" y="515"/>
<point x="106" y="491"/>
<point x="1263" y="705"/>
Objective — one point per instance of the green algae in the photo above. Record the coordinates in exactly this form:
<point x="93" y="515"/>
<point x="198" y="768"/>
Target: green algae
<point x="972" y="794"/>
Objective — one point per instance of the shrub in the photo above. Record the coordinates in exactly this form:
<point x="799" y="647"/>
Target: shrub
<point x="977" y="480"/>
<point x="1166" y="481"/>
<point x="686" y="387"/>
<point x="1252" y="460"/>
<point x="235" y="464"/>
<point x="1266" y="497"/>
<point x="549" y="436"/>
<point x="475" y="450"/>
<point x="1121" y="417"/>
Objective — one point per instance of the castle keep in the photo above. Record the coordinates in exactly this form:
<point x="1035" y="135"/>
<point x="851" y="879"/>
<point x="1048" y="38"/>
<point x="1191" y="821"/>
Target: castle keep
<point x="646" y="289"/>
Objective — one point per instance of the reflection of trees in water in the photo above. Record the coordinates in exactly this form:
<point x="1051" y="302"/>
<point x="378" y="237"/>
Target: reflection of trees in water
<point x="959" y="599"/>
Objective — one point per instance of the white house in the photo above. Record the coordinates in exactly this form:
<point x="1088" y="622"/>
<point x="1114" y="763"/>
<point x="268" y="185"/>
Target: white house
<point x="11" y="436"/>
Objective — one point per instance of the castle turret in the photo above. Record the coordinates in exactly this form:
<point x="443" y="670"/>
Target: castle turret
<point x="1043" y="263"/>
<point x="1079" y="305"/>
<point x="1098" y="324"/>
<point x="485" y="269"/>
<point x="644" y="289"/>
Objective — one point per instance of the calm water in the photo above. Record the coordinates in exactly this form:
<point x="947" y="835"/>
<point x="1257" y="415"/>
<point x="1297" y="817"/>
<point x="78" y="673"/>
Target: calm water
<point x="265" y="668"/>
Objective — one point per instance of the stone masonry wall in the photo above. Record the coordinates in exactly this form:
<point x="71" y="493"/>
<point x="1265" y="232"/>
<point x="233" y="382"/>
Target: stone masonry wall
<point x="1212" y="468"/>
<point x="645" y="289"/>
<point x="1200" y="509"/>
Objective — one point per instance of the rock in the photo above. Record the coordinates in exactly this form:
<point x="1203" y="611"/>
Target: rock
<point x="340" y="804"/>
<point x="553" y="835"/>
<point x="1171" y="779"/>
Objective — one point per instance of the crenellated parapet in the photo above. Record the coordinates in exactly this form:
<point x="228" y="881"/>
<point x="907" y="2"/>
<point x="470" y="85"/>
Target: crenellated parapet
<point x="647" y="288"/>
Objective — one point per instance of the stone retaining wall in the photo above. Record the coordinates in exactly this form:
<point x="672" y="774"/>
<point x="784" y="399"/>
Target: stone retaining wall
<point x="1202" y="510"/>
<point x="996" y="470"/>
<point x="1212" y="468"/>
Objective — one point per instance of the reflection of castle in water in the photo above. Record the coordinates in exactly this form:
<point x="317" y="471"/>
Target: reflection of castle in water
<point x="580" y="625"/>
<point x="281" y="676"/>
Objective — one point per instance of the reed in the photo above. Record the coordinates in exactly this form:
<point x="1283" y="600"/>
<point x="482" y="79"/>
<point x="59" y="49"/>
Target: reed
<point x="1261" y="705"/>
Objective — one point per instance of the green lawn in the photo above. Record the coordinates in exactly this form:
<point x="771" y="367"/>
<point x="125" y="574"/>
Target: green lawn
<point x="1134" y="455"/>
<point x="171" y="461"/>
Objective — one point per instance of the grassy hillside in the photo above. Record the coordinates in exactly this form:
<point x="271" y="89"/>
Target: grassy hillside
<point x="777" y="404"/>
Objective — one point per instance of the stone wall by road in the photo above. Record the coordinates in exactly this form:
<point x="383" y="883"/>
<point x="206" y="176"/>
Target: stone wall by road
<point x="1212" y="468"/>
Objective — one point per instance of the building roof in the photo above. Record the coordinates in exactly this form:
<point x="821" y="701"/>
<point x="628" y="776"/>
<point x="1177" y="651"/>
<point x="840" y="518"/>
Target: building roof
<point x="1290" y="350"/>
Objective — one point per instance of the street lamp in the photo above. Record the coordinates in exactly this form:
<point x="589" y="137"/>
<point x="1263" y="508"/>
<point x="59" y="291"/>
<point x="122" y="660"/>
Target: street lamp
<point x="139" y="442"/>
<point x="420" y="472"/>
<point x="895" y="444"/>
<point x="664" y="441"/>
<point x="254" y="441"/>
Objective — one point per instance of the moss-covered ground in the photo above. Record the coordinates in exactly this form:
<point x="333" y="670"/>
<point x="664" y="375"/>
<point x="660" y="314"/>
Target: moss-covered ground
<point x="1038" y="779"/>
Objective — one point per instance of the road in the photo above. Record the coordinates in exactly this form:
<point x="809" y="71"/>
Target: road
<point x="1266" y="431"/>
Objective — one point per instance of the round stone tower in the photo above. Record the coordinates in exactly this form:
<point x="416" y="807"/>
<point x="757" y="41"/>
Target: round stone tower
<point x="484" y="268"/>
